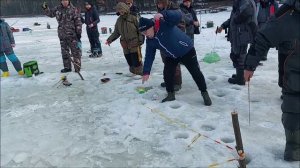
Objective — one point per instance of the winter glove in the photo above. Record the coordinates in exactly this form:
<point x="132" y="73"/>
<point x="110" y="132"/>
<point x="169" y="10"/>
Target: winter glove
<point x="45" y="5"/>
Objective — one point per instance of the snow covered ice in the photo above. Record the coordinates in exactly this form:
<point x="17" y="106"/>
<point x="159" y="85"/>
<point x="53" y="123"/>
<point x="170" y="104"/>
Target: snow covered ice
<point x="94" y="124"/>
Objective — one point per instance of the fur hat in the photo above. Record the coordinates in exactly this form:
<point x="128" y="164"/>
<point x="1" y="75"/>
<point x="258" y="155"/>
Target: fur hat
<point x="121" y="6"/>
<point x="145" y="24"/>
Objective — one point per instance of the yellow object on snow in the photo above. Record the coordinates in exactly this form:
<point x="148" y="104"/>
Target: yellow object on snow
<point x="5" y="74"/>
<point x="21" y="73"/>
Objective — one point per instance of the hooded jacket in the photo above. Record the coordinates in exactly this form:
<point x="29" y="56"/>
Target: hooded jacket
<point x="6" y="36"/>
<point x="126" y="27"/>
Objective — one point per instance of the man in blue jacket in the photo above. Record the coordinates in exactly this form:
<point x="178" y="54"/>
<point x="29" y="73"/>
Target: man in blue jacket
<point x="163" y="34"/>
<point x="91" y="20"/>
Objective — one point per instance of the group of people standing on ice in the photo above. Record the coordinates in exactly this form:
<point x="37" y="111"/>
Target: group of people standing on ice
<point x="260" y="24"/>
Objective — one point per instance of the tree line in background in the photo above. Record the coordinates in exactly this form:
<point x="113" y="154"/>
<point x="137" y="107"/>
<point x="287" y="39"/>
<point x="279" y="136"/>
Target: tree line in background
<point x="33" y="7"/>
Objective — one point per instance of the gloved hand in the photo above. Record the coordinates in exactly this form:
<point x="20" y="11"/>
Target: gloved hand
<point x="45" y="5"/>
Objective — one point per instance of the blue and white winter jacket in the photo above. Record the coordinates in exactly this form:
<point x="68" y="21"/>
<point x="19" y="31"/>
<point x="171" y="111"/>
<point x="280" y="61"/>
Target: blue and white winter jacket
<point x="169" y="39"/>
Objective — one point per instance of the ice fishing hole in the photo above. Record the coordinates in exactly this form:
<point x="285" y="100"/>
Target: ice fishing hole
<point x="255" y="101"/>
<point x="181" y="135"/>
<point x="236" y="88"/>
<point x="212" y="78"/>
<point x="220" y="94"/>
<point x="175" y="106"/>
<point x="207" y="127"/>
<point x="227" y="140"/>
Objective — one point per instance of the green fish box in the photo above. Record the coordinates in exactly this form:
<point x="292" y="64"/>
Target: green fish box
<point x="31" y="68"/>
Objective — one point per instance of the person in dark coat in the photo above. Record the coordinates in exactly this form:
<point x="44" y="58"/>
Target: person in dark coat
<point x="192" y="24"/>
<point x="134" y="10"/>
<point x="7" y="42"/>
<point x="91" y="20"/>
<point x="167" y="37"/>
<point x="265" y="10"/>
<point x="242" y="26"/>
<point x="284" y="29"/>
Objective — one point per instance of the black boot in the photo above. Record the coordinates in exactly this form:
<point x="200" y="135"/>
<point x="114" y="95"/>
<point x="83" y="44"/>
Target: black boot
<point x="292" y="147"/>
<point x="177" y="88"/>
<point x="163" y="84"/>
<point x="206" y="98"/>
<point x="65" y="70"/>
<point x="239" y="79"/>
<point x="170" y="97"/>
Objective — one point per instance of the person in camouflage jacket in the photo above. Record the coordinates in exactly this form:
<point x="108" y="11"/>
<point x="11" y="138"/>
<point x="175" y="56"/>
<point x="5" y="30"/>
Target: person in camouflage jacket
<point x="131" y="39"/>
<point x="69" y="33"/>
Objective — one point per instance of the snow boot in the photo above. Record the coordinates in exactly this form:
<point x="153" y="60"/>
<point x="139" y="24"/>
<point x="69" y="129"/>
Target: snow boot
<point x="65" y="70"/>
<point x="5" y="74"/>
<point x="21" y="73"/>
<point x="206" y="98"/>
<point x="292" y="146"/>
<point x="239" y="78"/>
<point x="170" y="97"/>
<point x="94" y="55"/>
<point x="138" y="70"/>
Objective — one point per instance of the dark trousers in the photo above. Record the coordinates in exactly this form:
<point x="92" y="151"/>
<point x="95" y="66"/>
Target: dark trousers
<point x="281" y="60"/>
<point x="177" y="77"/>
<point x="238" y="57"/>
<point x="190" y="61"/>
<point x="70" y="48"/>
<point x="133" y="60"/>
<point x="93" y="35"/>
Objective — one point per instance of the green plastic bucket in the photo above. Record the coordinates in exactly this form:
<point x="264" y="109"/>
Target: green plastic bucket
<point x="31" y="68"/>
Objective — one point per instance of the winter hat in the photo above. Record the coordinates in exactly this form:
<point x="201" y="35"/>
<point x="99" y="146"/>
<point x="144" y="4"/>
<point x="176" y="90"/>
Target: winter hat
<point x="121" y="6"/>
<point x="164" y="2"/>
<point x="145" y="24"/>
<point x="88" y="3"/>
